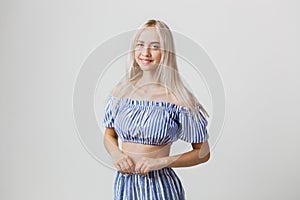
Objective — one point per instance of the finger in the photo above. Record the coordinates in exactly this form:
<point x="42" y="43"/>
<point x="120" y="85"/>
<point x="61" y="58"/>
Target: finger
<point x="129" y="169"/>
<point x="122" y="168"/>
<point x="125" y="166"/>
<point x="144" y="170"/>
<point x="137" y="167"/>
<point x="123" y="174"/>
<point x="130" y="164"/>
<point x="141" y="169"/>
<point x="122" y="171"/>
<point x="119" y="169"/>
<point x="117" y="166"/>
<point x="138" y="170"/>
<point x="143" y="173"/>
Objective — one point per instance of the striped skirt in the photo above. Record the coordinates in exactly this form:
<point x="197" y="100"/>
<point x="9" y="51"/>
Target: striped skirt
<point x="161" y="184"/>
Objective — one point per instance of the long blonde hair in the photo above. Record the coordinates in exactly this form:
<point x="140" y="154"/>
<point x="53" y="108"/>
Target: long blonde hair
<point x="167" y="71"/>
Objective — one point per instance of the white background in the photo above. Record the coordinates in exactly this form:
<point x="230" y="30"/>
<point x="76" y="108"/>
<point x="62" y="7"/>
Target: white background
<point x="254" y="45"/>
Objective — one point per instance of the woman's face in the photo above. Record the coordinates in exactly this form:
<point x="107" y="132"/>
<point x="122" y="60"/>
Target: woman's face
<point x="147" y="49"/>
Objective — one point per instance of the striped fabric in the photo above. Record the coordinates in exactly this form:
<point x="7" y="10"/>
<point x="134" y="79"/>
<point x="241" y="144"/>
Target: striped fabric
<point x="155" y="123"/>
<point x="161" y="184"/>
<point x="137" y="120"/>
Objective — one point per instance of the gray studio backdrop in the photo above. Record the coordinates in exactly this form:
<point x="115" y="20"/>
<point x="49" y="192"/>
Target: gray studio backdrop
<point x="253" y="44"/>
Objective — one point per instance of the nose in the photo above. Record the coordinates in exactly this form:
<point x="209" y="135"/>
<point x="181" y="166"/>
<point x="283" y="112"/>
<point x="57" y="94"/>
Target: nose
<point x="145" y="51"/>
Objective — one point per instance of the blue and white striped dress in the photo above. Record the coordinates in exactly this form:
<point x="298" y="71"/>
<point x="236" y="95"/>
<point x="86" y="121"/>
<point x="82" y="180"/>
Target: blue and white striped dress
<point x="155" y="123"/>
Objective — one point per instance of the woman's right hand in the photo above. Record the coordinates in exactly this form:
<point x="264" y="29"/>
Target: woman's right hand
<point x="123" y="163"/>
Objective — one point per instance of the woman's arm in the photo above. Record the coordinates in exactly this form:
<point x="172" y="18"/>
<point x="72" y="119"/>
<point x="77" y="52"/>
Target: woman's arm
<point x="123" y="162"/>
<point x="199" y="154"/>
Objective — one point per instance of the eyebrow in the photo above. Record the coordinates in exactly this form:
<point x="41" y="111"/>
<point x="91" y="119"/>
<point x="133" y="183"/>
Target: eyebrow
<point x="150" y="42"/>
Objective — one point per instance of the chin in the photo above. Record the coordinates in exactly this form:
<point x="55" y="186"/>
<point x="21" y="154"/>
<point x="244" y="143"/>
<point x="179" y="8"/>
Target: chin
<point x="149" y="67"/>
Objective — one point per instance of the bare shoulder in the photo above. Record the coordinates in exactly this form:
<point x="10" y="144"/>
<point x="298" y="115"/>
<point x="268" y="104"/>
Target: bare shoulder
<point x="174" y="99"/>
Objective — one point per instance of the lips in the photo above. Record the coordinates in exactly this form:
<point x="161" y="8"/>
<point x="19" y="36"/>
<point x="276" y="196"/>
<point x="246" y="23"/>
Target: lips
<point x="145" y="61"/>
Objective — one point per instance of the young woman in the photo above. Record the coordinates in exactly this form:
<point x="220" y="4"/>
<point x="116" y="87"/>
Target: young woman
<point x="148" y="110"/>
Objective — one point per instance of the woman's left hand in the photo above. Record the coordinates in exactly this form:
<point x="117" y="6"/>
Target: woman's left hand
<point x="145" y="165"/>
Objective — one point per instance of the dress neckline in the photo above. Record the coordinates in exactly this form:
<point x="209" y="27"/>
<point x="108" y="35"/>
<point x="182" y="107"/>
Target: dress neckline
<point x="142" y="102"/>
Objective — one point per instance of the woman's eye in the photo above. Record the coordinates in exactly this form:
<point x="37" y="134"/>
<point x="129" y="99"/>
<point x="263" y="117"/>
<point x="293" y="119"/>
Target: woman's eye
<point x="141" y="45"/>
<point x="155" y="46"/>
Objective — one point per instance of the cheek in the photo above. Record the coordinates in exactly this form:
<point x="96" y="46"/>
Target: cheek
<point x="158" y="55"/>
<point x="136" y="55"/>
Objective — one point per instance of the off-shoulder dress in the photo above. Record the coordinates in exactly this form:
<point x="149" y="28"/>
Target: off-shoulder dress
<point x="154" y="123"/>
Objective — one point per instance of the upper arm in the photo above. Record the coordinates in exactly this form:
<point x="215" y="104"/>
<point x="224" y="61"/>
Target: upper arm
<point x="203" y="148"/>
<point x="110" y="132"/>
<point x="109" y="119"/>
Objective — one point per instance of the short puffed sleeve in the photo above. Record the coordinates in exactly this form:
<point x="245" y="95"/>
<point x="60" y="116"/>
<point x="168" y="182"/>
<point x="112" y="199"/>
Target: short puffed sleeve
<point x="192" y="128"/>
<point x="109" y="119"/>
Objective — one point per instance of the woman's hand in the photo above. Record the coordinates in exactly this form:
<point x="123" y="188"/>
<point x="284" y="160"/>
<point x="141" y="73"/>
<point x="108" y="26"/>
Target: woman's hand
<point x="123" y="163"/>
<point x="145" y="165"/>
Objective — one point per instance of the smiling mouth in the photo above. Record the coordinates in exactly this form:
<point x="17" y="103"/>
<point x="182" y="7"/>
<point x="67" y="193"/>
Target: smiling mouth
<point x="146" y="61"/>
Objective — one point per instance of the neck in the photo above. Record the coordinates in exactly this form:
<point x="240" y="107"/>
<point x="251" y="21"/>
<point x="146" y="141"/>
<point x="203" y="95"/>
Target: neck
<point x="149" y="78"/>
<point x="148" y="83"/>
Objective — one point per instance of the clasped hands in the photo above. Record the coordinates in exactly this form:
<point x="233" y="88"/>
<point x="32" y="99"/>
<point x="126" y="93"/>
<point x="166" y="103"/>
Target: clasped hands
<point x="125" y="164"/>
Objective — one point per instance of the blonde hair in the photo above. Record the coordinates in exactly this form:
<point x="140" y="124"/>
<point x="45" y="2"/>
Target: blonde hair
<point x="167" y="71"/>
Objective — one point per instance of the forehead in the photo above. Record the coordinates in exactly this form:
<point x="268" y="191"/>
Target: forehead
<point x="149" y="35"/>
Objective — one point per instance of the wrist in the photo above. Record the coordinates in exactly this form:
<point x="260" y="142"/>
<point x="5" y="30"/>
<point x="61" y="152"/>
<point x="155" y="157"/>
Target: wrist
<point x="116" y="152"/>
<point x="170" y="161"/>
<point x="166" y="161"/>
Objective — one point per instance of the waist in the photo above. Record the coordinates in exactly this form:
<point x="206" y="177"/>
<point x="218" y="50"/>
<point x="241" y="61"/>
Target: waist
<point x="137" y="150"/>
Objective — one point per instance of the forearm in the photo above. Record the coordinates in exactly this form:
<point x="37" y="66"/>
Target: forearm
<point x="122" y="162"/>
<point x="191" y="158"/>
<point x="111" y="144"/>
